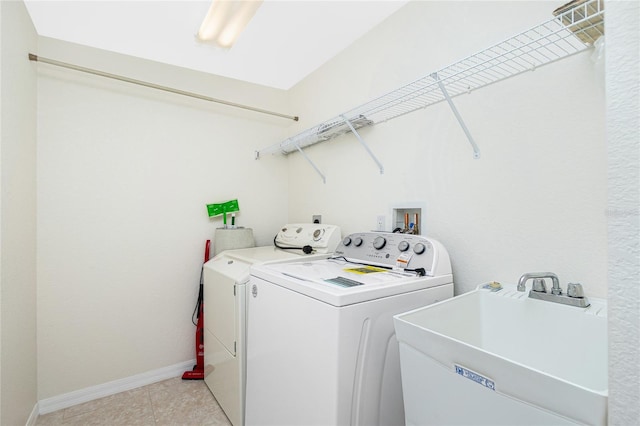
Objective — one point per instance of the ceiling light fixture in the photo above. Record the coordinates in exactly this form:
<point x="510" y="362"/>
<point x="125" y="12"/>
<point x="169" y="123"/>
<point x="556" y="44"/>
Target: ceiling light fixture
<point x="226" y="19"/>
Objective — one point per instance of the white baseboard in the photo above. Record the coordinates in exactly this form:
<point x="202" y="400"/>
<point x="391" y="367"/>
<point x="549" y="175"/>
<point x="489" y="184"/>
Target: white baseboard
<point x="33" y="417"/>
<point x="70" y="399"/>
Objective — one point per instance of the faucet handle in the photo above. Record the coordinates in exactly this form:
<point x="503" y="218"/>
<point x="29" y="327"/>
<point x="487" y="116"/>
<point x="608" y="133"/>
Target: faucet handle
<point x="575" y="290"/>
<point x="539" y="285"/>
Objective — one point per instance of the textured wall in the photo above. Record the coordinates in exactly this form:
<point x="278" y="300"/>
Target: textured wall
<point x="623" y="143"/>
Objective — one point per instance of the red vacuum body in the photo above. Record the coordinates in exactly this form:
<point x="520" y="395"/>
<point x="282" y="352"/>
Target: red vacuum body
<point x="198" y="370"/>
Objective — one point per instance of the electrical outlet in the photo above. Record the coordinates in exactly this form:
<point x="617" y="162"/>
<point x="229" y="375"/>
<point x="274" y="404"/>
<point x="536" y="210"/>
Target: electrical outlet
<point x="380" y="223"/>
<point x="317" y="218"/>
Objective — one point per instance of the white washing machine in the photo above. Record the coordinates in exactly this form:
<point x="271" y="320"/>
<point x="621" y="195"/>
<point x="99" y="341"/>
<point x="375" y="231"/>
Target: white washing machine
<point x="225" y="278"/>
<point x="322" y="347"/>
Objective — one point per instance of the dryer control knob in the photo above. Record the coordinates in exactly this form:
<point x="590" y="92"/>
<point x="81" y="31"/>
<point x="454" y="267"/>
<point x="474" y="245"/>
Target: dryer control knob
<point x="346" y="241"/>
<point x="403" y="246"/>
<point x="357" y="242"/>
<point x="379" y="242"/>
<point x="419" y="248"/>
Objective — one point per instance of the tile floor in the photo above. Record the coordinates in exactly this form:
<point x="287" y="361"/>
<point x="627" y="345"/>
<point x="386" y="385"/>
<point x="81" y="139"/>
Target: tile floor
<point x="170" y="402"/>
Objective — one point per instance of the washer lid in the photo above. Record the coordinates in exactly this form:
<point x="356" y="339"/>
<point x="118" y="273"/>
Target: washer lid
<point x="341" y="283"/>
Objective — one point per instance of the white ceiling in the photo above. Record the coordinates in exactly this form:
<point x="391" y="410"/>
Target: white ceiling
<point x="285" y="41"/>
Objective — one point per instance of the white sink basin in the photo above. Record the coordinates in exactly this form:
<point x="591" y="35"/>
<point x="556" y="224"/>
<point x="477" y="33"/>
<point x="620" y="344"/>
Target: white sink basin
<point x="518" y="352"/>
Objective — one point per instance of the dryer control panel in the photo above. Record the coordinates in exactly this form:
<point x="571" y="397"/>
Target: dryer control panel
<point x="322" y="238"/>
<point x="404" y="251"/>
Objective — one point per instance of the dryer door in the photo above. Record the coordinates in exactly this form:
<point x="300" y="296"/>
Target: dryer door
<point x="220" y="305"/>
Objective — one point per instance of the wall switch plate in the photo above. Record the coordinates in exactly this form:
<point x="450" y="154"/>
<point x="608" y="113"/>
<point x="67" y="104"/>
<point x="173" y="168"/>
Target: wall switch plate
<point x="380" y="223"/>
<point x="317" y="218"/>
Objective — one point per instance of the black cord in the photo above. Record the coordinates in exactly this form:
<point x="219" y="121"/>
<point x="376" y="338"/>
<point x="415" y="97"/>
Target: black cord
<point x="418" y="271"/>
<point x="421" y="272"/>
<point x="305" y="249"/>
<point x="196" y="312"/>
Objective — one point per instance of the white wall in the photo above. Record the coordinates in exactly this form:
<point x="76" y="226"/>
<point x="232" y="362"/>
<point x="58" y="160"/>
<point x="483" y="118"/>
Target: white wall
<point x="623" y="122"/>
<point x="18" y="377"/>
<point x="124" y="176"/>
<point x="536" y="199"/>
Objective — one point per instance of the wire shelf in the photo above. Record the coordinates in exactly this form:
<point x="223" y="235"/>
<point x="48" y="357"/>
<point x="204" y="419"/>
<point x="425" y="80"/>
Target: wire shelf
<point x="574" y="29"/>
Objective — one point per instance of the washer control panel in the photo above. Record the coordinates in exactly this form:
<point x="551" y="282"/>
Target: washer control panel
<point x="404" y="251"/>
<point x="322" y="238"/>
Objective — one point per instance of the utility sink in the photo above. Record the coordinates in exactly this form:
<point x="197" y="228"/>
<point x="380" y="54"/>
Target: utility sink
<point x="500" y="357"/>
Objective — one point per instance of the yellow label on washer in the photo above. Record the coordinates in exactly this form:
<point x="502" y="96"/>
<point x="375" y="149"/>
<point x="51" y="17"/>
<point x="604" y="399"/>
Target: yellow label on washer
<point x="365" y="270"/>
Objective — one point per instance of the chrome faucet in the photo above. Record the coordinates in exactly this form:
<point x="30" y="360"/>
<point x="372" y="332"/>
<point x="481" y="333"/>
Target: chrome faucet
<point x="555" y="289"/>
<point x="574" y="297"/>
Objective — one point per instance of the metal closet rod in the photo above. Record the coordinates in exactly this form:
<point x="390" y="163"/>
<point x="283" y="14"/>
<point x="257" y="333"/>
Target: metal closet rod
<point x="37" y="58"/>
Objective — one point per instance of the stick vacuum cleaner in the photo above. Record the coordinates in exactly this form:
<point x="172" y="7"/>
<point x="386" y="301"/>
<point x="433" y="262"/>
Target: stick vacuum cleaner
<point x="198" y="370"/>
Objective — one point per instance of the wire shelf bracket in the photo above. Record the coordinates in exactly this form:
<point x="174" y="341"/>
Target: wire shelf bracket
<point x="306" y="157"/>
<point x="363" y="143"/>
<point x="465" y="129"/>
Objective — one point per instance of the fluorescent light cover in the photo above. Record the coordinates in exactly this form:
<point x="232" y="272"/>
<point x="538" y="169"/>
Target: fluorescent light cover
<point x="226" y="19"/>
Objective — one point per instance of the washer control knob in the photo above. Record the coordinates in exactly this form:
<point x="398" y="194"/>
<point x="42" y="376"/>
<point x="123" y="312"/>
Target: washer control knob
<point x="379" y="242"/>
<point x="317" y="234"/>
<point x="346" y="241"/>
<point x="357" y="242"/>
<point x="403" y="246"/>
<point x="419" y="248"/>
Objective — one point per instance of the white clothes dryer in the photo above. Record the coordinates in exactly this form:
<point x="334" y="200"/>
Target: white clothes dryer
<point x="322" y="346"/>
<point x="225" y="278"/>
